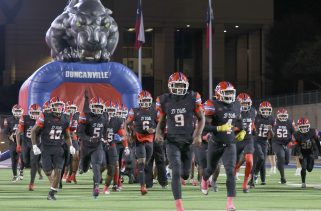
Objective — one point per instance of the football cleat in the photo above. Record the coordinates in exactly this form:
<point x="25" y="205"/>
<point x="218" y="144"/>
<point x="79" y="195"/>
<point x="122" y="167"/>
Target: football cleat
<point x="51" y="195"/>
<point x="214" y="186"/>
<point x="283" y="181"/>
<point x="298" y="172"/>
<point x="263" y="183"/>
<point x="71" y="178"/>
<point x="31" y="187"/>
<point x="106" y="191"/>
<point x="64" y="177"/>
<point x="193" y="182"/>
<point x="143" y="190"/>
<point x="95" y="192"/>
<point x="204" y="186"/>
<point x="15" y="179"/>
<point x="115" y="188"/>
<point x="245" y="190"/>
<point x="303" y="185"/>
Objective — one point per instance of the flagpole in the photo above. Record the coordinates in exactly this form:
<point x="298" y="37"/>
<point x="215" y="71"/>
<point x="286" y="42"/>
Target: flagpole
<point x="210" y="55"/>
<point x="140" y="64"/>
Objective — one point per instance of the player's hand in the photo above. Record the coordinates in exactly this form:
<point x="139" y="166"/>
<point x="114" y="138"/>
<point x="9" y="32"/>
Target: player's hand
<point x="206" y="137"/>
<point x="117" y="137"/>
<point x="241" y="135"/>
<point x="36" y="150"/>
<point x="159" y="138"/>
<point x="126" y="151"/>
<point x="224" y="128"/>
<point x="72" y="150"/>
<point x="151" y="130"/>
<point x="197" y="140"/>
<point x="18" y="148"/>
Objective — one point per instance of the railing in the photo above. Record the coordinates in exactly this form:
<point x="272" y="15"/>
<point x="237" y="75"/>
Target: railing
<point x="312" y="97"/>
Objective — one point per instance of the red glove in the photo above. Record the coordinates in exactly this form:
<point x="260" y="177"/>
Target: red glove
<point x="18" y="148"/>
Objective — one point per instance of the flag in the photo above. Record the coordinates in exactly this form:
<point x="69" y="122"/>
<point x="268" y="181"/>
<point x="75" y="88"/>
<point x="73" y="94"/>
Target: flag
<point x="139" y="26"/>
<point x="209" y="23"/>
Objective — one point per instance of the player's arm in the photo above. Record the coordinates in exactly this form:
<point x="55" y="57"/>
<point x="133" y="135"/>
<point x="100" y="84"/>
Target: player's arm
<point x="86" y="108"/>
<point x="82" y="127"/>
<point x="35" y="131"/>
<point x="316" y="143"/>
<point x="160" y="128"/>
<point x="19" y="131"/>
<point x="128" y="121"/>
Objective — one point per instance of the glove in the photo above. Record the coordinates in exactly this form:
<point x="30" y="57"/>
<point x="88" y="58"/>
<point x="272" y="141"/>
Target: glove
<point x="240" y="136"/>
<point x="126" y="151"/>
<point x="224" y="128"/>
<point x="117" y="137"/>
<point x="18" y="148"/>
<point x="36" y="150"/>
<point x="72" y="150"/>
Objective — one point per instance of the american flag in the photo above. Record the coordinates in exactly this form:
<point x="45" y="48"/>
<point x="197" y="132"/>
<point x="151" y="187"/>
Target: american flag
<point x="139" y="27"/>
<point x="209" y="23"/>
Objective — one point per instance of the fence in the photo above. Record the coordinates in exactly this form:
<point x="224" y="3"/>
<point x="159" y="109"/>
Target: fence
<point x="312" y="97"/>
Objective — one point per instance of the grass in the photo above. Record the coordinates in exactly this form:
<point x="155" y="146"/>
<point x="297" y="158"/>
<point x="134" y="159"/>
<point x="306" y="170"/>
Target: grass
<point x="273" y="196"/>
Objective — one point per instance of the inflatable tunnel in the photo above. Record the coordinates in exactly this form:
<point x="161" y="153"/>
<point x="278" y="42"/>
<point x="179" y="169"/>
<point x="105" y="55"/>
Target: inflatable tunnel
<point x="70" y="80"/>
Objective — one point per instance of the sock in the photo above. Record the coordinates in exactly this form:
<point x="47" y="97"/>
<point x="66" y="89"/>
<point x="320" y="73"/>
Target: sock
<point x="248" y="168"/>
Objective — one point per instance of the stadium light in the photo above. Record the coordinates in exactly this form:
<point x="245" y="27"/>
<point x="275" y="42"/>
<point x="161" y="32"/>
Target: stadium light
<point x="131" y="29"/>
<point x="188" y="25"/>
<point x="237" y="26"/>
<point x="225" y="31"/>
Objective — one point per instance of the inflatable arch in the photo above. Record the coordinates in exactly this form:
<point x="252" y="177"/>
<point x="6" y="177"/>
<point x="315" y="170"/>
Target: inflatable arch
<point x="70" y="80"/>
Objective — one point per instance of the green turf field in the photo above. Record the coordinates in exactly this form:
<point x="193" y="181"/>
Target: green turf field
<point x="273" y="196"/>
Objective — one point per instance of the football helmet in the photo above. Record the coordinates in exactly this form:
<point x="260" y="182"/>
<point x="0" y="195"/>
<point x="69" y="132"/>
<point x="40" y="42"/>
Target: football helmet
<point x="118" y="110"/>
<point x="209" y="107"/>
<point x="96" y="105"/>
<point x="110" y="108"/>
<point x="34" y="111"/>
<point x="71" y="108"/>
<point x="178" y="83"/>
<point x="245" y="101"/>
<point x="282" y="115"/>
<point x="145" y="99"/>
<point x="124" y="112"/>
<point x="17" y="111"/>
<point x="56" y="105"/>
<point x="46" y="106"/>
<point x="303" y="125"/>
<point x="265" y="109"/>
<point x="225" y="92"/>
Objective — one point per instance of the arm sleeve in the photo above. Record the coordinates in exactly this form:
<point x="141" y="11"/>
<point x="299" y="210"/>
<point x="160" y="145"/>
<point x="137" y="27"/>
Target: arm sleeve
<point x="40" y="121"/>
<point x="82" y="127"/>
<point x="86" y="109"/>
<point x="198" y="103"/>
<point x="21" y="125"/>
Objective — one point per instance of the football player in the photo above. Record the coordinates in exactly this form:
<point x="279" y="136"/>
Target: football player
<point x="263" y="124"/>
<point x="114" y="133"/>
<point x="10" y="127"/>
<point x="282" y="132"/>
<point x="72" y="111"/>
<point x="245" y="149"/>
<point x="177" y="110"/>
<point x="225" y="116"/>
<point x="309" y="146"/>
<point x="26" y="123"/>
<point x="144" y="119"/>
<point x="53" y="128"/>
<point x="91" y="132"/>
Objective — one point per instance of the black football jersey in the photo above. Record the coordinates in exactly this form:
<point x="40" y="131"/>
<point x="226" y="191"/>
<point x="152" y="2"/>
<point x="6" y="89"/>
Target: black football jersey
<point x="113" y="126"/>
<point x="95" y="127"/>
<point x="53" y="130"/>
<point x="225" y="113"/>
<point x="11" y="126"/>
<point x="179" y="112"/>
<point x="305" y="141"/>
<point x="282" y="131"/>
<point x="144" y="119"/>
<point x="28" y="124"/>
<point x="262" y="126"/>
<point x="247" y="119"/>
